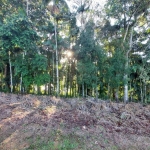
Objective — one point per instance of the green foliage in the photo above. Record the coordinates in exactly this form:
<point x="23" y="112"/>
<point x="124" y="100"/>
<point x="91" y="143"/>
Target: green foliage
<point x="86" y="42"/>
<point x="17" y="32"/>
<point x="33" y="70"/>
<point x="39" y="63"/>
<point x="87" y="55"/>
<point x="87" y="73"/>
<point x="41" y="79"/>
<point x="116" y="68"/>
<point x="99" y="47"/>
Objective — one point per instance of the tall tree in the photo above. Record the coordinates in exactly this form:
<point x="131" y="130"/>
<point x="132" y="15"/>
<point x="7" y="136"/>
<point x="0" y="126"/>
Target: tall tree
<point x="125" y="15"/>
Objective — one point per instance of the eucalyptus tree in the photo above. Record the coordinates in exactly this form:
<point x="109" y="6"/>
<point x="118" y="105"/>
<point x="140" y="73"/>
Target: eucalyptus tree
<point x="125" y="15"/>
<point x="60" y="12"/>
<point x="140" y="61"/>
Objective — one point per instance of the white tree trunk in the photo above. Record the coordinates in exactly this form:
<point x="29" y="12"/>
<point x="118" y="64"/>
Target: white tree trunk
<point x="117" y="94"/>
<point x="93" y="92"/>
<point x="21" y="83"/>
<point x="57" y="71"/>
<point x="126" y="99"/>
<point x="24" y="53"/>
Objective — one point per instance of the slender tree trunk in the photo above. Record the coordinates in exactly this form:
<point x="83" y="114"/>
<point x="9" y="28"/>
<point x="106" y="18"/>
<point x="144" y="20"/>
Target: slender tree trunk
<point x="130" y="92"/>
<point x="5" y="71"/>
<point x="96" y="82"/>
<point x="2" y="76"/>
<point x="79" y="90"/>
<point x="145" y="97"/>
<point x="74" y="89"/>
<point x="49" y="84"/>
<point x="141" y="88"/>
<point x="86" y="91"/>
<point x="21" y="83"/>
<point x="49" y="88"/>
<point x="57" y="71"/>
<point x="70" y="79"/>
<point x="126" y="99"/>
<point x="117" y="94"/>
<point x="21" y="78"/>
<point x="11" y="82"/>
<point x="126" y="89"/>
<point x="39" y="90"/>
<point x="93" y="91"/>
<point x="96" y="92"/>
<point x="53" y="73"/>
<point x="108" y="89"/>
<point x="67" y="80"/>
<point x="82" y="89"/>
<point x="64" y="88"/>
<point x="76" y="86"/>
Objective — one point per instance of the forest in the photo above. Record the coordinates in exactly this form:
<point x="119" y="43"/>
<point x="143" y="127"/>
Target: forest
<point x="74" y="74"/>
<point x="76" y="48"/>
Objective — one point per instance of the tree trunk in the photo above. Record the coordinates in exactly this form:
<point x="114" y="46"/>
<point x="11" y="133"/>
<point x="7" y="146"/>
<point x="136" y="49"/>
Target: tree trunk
<point x="21" y="83"/>
<point x="145" y="97"/>
<point x="38" y="90"/>
<point x="57" y="71"/>
<point x="126" y="99"/>
<point x="117" y="95"/>
<point x="131" y="92"/>
<point x="96" y="82"/>
<point x="86" y="91"/>
<point x="93" y="91"/>
<point x="67" y="80"/>
<point x="141" y="88"/>
<point x="21" y="78"/>
<point x="53" y="73"/>
<point x="108" y="89"/>
<point x="11" y="82"/>
<point x="82" y="89"/>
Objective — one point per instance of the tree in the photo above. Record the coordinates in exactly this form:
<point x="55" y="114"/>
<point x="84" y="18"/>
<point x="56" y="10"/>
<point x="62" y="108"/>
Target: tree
<point x="125" y="14"/>
<point x="17" y="36"/>
<point x="86" y="57"/>
<point x="60" y="12"/>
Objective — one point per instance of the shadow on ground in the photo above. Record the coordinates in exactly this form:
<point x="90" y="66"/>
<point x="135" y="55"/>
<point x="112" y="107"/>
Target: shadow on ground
<point x="95" y="125"/>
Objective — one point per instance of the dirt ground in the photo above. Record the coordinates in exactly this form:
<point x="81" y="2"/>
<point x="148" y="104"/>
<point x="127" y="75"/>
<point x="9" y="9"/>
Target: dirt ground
<point x="101" y="125"/>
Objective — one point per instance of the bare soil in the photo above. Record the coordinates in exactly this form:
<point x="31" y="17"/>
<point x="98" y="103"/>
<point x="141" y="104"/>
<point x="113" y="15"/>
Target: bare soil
<point x="101" y="125"/>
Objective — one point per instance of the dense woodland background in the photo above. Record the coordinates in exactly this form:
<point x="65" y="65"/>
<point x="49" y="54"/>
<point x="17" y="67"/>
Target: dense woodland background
<point x="48" y="47"/>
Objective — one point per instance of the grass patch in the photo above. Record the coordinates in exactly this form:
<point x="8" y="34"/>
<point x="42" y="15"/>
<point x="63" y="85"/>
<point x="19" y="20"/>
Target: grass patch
<point x="57" y="141"/>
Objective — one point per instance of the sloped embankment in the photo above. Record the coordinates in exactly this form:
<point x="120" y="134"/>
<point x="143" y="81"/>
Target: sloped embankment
<point x="101" y="125"/>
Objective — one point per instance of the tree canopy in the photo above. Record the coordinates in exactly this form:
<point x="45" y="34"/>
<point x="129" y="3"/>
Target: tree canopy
<point x="76" y="48"/>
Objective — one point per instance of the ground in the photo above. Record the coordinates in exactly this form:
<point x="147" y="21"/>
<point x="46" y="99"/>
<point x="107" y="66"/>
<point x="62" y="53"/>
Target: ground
<point x="30" y="122"/>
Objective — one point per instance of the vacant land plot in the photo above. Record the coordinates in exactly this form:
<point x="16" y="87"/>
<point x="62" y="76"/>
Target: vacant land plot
<point x="29" y="122"/>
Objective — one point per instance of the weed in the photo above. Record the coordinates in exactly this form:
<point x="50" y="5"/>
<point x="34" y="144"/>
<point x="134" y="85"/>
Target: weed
<point x="114" y="148"/>
<point x="60" y="142"/>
